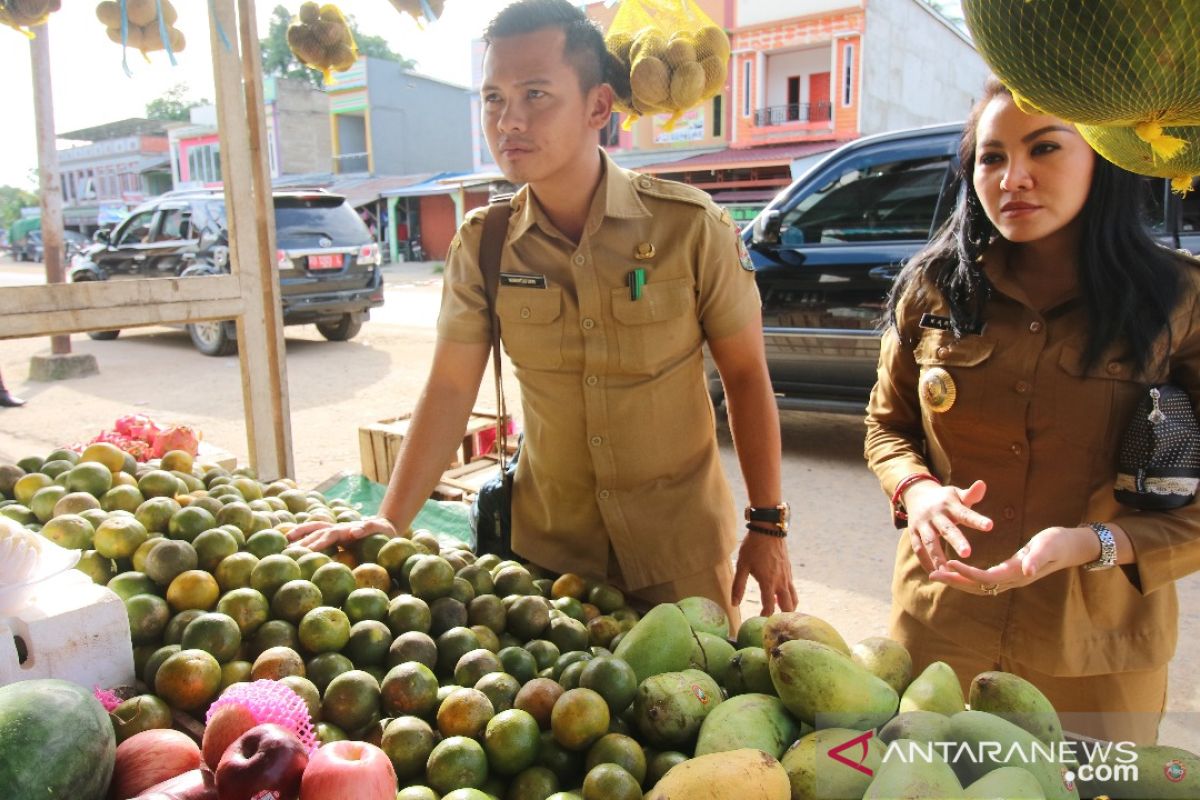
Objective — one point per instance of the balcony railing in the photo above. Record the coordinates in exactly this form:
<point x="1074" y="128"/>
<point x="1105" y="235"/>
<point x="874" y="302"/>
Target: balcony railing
<point x="793" y="112"/>
<point x="347" y="163"/>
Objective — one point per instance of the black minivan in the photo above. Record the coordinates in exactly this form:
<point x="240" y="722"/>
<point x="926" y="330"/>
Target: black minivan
<point x="827" y="248"/>
<point x="328" y="262"/>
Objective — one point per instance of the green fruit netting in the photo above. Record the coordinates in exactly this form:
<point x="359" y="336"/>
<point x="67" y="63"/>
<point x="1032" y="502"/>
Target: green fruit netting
<point x="447" y="520"/>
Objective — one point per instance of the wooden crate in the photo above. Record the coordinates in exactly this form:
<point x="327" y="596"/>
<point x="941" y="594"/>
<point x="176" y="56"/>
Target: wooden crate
<point x="464" y="482"/>
<point x="379" y="442"/>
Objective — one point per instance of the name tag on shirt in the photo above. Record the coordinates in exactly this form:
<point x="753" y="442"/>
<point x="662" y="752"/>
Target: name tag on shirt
<point x="522" y="280"/>
<point x="939" y="323"/>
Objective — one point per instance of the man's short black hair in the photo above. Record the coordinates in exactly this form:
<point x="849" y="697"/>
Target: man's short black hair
<point x="584" y="45"/>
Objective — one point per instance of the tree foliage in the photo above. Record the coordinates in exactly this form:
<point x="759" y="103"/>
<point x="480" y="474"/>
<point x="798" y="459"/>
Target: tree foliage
<point x="173" y="105"/>
<point x="12" y="200"/>
<point x="278" y="59"/>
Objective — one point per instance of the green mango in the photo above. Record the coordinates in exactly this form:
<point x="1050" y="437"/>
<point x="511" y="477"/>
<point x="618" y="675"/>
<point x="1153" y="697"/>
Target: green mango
<point x="712" y="654"/>
<point x="1005" y="783"/>
<point x="985" y="734"/>
<point x="936" y="689"/>
<point x="917" y="726"/>
<point x="1018" y="701"/>
<point x="887" y="660"/>
<point x="751" y="632"/>
<point x="748" y="720"/>
<point x="1163" y="773"/>
<point x="705" y="615"/>
<point x="748" y="672"/>
<point x="787" y="626"/>
<point x="922" y="775"/>
<point x="670" y="707"/>
<point x="825" y="689"/>
<point x="659" y="642"/>
<point x="815" y="775"/>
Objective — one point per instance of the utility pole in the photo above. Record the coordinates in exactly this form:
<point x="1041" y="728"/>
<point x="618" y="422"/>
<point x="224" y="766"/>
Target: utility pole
<point x="49" y="181"/>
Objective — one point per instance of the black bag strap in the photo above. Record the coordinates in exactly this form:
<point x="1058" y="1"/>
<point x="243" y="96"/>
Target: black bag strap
<point x="495" y="229"/>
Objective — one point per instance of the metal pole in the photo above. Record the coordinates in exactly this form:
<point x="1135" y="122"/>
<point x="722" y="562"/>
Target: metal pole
<point x="49" y="181"/>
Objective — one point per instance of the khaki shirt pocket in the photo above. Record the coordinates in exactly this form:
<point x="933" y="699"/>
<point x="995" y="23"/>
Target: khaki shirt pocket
<point x="658" y="327"/>
<point x="531" y="326"/>
<point x="964" y="361"/>
<point x="1093" y="406"/>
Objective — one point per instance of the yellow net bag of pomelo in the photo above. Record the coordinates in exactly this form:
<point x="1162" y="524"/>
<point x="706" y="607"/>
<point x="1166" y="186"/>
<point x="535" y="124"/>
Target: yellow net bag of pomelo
<point x="1122" y="146"/>
<point x="1128" y="63"/>
<point x="672" y="53"/>
<point x="320" y="38"/>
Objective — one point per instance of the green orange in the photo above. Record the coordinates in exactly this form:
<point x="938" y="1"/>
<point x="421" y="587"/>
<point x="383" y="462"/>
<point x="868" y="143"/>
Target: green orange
<point x="188" y="680"/>
<point x="324" y="630"/>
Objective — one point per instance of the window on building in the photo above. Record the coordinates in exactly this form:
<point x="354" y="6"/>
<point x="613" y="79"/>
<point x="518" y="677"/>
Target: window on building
<point x="204" y="163"/>
<point x="793" y="99"/>
<point x="847" y="75"/>
<point x="889" y="201"/>
<point x="716" y="116"/>
<point x="746" y="88"/>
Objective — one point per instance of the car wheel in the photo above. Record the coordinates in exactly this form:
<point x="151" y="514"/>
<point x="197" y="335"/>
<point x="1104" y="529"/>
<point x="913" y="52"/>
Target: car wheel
<point x="347" y="327"/>
<point x="104" y="336"/>
<point x="212" y="339"/>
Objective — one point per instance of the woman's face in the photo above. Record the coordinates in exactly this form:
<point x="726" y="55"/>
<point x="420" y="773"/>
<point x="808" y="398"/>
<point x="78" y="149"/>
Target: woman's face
<point x="1032" y="172"/>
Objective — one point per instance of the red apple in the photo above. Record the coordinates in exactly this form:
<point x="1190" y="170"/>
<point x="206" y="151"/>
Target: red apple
<point x="194" y="785"/>
<point x="266" y="758"/>
<point x="349" y="770"/>
<point x="149" y="758"/>
<point x="222" y="730"/>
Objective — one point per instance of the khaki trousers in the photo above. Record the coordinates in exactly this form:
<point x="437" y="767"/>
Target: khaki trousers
<point x="715" y="583"/>
<point x="1120" y="707"/>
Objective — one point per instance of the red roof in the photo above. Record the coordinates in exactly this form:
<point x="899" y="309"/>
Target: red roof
<point x="742" y="157"/>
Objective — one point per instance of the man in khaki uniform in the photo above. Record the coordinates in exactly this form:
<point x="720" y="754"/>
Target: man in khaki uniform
<point x="619" y="478"/>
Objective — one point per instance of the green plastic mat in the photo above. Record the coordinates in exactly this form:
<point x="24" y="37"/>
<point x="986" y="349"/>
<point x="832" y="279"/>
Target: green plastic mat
<point x="448" y="520"/>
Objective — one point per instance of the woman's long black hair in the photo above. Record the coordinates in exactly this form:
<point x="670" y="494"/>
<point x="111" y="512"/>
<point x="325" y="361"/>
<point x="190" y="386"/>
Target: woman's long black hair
<point x="1128" y="282"/>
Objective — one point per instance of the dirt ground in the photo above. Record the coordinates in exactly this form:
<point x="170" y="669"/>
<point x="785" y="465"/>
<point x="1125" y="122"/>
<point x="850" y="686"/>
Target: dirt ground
<point x="841" y="553"/>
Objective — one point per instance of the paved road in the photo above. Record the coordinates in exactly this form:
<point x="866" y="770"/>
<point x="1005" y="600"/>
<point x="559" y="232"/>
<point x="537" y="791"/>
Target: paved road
<point x="842" y="553"/>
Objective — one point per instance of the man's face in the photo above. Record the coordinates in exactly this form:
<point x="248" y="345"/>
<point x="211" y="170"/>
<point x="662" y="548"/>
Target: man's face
<point x="539" y="124"/>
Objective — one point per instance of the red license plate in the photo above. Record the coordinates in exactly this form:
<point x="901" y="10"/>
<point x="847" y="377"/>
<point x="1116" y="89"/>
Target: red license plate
<point x="325" y="262"/>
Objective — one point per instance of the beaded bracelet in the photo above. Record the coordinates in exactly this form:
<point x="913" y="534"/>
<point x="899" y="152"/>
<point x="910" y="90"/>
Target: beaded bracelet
<point x="898" y="510"/>
<point x="776" y="532"/>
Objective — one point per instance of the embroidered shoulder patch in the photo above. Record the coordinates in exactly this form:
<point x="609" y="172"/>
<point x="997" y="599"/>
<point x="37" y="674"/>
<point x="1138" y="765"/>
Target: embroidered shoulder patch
<point x="744" y="256"/>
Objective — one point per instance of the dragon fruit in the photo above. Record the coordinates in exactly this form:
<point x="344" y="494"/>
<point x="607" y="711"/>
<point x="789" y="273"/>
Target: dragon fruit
<point x="175" y="437"/>
<point x="137" y="426"/>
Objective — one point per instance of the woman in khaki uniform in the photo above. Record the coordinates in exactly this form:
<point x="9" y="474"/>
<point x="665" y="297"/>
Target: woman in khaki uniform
<point x="1020" y="342"/>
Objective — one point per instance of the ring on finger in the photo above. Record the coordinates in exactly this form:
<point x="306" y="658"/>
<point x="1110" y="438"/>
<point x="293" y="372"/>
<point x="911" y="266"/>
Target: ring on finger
<point x="990" y="589"/>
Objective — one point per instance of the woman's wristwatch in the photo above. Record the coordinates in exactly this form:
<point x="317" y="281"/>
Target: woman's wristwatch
<point x="775" y="515"/>
<point x="1108" y="548"/>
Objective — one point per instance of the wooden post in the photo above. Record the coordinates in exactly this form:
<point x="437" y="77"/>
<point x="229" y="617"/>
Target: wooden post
<point x="49" y="181"/>
<point x="250" y="212"/>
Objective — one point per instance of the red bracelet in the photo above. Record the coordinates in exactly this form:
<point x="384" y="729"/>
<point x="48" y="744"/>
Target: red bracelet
<point x="898" y="510"/>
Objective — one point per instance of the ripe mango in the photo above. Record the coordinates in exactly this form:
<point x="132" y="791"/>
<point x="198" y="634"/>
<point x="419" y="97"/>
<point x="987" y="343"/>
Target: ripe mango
<point x="825" y="689"/>
<point x="749" y="720"/>
<point x="786" y="626"/>
<point x="936" y="689"/>
<point x="886" y="659"/>
<point x="1018" y="701"/>
<point x="736" y="775"/>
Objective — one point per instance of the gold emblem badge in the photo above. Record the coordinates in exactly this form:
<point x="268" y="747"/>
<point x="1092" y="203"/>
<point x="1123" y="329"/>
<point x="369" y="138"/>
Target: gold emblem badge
<point x="644" y="251"/>
<point x="937" y="390"/>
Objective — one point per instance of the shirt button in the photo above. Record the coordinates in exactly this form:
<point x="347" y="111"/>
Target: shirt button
<point x="597" y="441"/>
<point x="942" y="352"/>
<point x="580" y="260"/>
<point x="1010" y="513"/>
<point x="1017" y="449"/>
<point x="525" y="313"/>
<point x="588" y="323"/>
<point x="603" y="494"/>
<point x="1021" y="387"/>
<point x="1035" y="327"/>
<point x="644" y="183"/>
<point x="592" y="380"/>
<point x="1113" y="367"/>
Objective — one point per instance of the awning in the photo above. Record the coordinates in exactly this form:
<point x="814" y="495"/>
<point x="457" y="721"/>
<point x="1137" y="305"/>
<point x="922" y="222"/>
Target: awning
<point x="781" y="155"/>
<point x="748" y="196"/>
<point x="431" y="186"/>
<point x="117" y="130"/>
<point x="637" y="159"/>
<point x="359" y="190"/>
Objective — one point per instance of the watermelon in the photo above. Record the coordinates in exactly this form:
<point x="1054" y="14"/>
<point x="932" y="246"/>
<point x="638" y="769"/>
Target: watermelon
<point x="56" y="741"/>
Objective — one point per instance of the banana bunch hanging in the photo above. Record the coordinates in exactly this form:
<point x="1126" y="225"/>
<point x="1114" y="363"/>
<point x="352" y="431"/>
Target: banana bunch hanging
<point x="20" y="15"/>
<point x="421" y="10"/>
<point x="320" y="38"/>
<point x="144" y="31"/>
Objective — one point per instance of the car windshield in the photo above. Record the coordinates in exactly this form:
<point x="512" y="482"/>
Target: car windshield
<point x="301" y="221"/>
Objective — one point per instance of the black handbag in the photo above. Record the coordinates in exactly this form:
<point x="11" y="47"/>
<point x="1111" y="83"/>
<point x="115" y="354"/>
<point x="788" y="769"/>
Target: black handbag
<point x="491" y="513"/>
<point x="1159" y="464"/>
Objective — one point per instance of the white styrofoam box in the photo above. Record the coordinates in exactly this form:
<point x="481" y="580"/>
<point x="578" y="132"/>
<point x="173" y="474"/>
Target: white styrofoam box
<point x="75" y="630"/>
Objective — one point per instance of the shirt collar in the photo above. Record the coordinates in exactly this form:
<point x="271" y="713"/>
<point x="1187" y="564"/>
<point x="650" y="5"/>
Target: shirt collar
<point x="616" y="196"/>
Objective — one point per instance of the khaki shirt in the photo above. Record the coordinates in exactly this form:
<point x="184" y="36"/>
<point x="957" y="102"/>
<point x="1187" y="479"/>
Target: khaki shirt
<point x="1044" y="435"/>
<point x="620" y="448"/>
